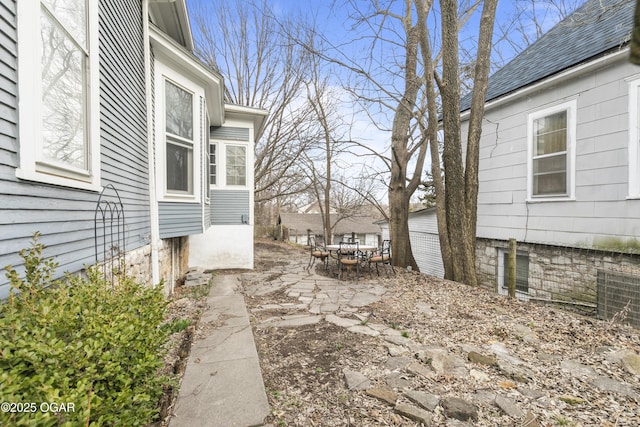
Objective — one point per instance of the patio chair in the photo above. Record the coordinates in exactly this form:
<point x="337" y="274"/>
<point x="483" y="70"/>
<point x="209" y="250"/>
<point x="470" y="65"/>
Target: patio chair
<point x="349" y="258"/>
<point x="382" y="257"/>
<point x="317" y="252"/>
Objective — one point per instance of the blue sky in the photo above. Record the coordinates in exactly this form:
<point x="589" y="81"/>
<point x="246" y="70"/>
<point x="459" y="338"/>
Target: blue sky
<point x="332" y="20"/>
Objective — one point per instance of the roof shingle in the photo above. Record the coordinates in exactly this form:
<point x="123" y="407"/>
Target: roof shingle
<point x="594" y="29"/>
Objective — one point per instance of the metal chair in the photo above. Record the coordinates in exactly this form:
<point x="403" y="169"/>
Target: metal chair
<point x="383" y="257"/>
<point x="349" y="258"/>
<point x="317" y="252"/>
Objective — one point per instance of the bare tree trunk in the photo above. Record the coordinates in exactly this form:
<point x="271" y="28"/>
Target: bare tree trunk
<point x="461" y="191"/>
<point x="422" y="7"/>
<point x="399" y="193"/>
<point x="481" y="81"/>
<point x="399" y="231"/>
<point x="328" y="231"/>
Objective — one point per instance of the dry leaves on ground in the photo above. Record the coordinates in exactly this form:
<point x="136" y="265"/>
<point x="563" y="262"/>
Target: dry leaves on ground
<point x="553" y="366"/>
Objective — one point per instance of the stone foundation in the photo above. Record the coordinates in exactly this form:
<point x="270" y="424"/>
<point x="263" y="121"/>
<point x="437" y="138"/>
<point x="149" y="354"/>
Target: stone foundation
<point x="174" y="262"/>
<point x="173" y="258"/>
<point x="561" y="274"/>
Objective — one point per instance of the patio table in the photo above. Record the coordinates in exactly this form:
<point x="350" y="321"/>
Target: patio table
<point x="333" y="251"/>
<point x="363" y="248"/>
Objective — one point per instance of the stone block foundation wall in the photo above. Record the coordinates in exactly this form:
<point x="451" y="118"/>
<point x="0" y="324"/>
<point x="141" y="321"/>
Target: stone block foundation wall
<point x="173" y="259"/>
<point x="579" y="277"/>
<point x="174" y="262"/>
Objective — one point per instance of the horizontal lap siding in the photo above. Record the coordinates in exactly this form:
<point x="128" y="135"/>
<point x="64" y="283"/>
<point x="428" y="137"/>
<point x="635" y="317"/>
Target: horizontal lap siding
<point x="228" y="206"/>
<point x="600" y="209"/>
<point x="64" y="216"/>
<point x="123" y="127"/>
<point x="180" y="219"/>
<point x="230" y="133"/>
<point x="207" y="215"/>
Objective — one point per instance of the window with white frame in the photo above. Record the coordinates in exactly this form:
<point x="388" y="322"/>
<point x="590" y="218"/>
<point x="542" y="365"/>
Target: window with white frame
<point x="213" y="163"/>
<point x="552" y="152"/>
<point x="58" y="92"/>
<point x="634" y="139"/>
<point x="236" y="162"/>
<point x="179" y="139"/>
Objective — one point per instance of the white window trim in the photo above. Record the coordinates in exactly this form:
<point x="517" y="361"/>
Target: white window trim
<point x="163" y="73"/>
<point x="571" y="108"/>
<point x="29" y="104"/>
<point x="217" y="144"/>
<point x="634" y="140"/>
<point x="204" y="137"/>
<point x="246" y="164"/>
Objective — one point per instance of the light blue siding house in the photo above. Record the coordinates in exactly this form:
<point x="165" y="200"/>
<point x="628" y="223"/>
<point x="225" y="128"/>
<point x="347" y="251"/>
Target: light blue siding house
<point x="560" y="158"/>
<point x="106" y="95"/>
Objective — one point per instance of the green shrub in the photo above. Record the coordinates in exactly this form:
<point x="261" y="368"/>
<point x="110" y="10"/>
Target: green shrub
<point x="83" y="342"/>
<point x="177" y="325"/>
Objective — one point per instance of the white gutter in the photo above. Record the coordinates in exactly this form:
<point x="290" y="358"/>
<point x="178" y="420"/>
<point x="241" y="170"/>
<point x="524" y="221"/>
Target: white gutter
<point x="156" y="243"/>
<point x="556" y="78"/>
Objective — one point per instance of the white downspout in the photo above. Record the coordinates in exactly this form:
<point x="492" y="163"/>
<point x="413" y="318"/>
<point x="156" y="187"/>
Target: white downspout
<point x="153" y="197"/>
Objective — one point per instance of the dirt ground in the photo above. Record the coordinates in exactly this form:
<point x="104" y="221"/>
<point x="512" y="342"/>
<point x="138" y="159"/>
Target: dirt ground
<point x="551" y="367"/>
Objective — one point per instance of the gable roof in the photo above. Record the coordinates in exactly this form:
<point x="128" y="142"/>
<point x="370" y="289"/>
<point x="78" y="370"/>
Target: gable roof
<point x="593" y="30"/>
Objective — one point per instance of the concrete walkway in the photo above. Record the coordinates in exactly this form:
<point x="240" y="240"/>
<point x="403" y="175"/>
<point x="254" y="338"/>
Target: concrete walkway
<point x="222" y="383"/>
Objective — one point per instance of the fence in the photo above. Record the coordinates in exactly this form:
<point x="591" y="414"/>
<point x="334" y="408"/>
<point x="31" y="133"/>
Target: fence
<point x="426" y="251"/>
<point x="619" y="294"/>
<point x="594" y="282"/>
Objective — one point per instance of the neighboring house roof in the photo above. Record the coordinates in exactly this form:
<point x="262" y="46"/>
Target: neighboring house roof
<point x="303" y="222"/>
<point x="424" y="211"/>
<point x="313" y="208"/>
<point x="594" y="29"/>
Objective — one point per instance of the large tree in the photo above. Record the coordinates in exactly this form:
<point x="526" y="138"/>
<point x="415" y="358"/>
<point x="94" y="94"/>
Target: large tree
<point x="398" y="75"/>
<point x="265" y="69"/>
<point x="381" y="71"/>
<point x="461" y="190"/>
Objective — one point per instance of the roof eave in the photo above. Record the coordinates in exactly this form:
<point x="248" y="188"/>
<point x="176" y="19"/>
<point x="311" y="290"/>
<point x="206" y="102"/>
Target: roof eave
<point x="212" y="82"/>
<point x="568" y="73"/>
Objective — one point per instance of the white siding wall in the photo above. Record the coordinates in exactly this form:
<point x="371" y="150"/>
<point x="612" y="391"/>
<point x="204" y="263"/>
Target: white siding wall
<point x="224" y="244"/>
<point x="601" y="209"/>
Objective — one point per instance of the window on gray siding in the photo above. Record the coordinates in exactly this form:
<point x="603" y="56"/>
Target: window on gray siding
<point x="64" y="59"/>
<point x="236" y="165"/>
<point x="179" y="139"/>
<point x="550" y="155"/>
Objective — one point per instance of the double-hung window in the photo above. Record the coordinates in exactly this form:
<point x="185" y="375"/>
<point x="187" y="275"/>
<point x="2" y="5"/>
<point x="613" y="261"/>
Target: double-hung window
<point x="236" y="165"/>
<point x="179" y="139"/>
<point x="58" y="92"/>
<point x="552" y="152"/>
<point x="634" y="139"/>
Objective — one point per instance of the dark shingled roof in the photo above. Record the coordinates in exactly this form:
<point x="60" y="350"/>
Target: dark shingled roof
<point x="594" y="29"/>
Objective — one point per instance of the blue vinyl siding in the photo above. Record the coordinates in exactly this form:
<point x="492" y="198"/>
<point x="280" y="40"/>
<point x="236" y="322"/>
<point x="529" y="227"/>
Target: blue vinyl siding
<point x="65" y="216"/>
<point x="180" y="219"/>
<point x="229" y="133"/>
<point x="229" y="206"/>
<point x="207" y="215"/>
<point x="123" y="133"/>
